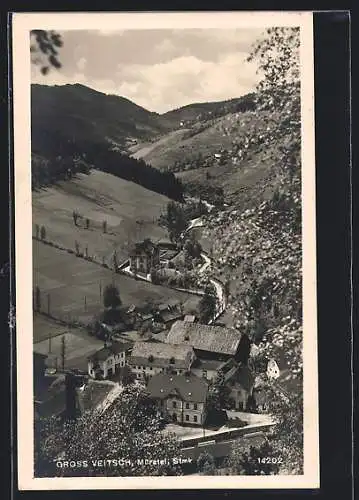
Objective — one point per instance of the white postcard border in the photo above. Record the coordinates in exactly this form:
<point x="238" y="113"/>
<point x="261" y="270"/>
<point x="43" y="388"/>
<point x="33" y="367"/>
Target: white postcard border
<point x="21" y="25"/>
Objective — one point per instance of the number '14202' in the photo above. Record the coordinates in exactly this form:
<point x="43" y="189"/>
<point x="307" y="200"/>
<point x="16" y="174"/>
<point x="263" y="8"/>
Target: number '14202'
<point x="270" y="460"/>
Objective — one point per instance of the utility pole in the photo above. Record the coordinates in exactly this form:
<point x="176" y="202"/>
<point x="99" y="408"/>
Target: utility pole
<point x="63" y="352"/>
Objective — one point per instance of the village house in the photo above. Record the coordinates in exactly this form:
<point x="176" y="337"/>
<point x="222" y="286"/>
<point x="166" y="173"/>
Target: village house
<point x="150" y="358"/>
<point x="241" y="384"/>
<point x="180" y="398"/>
<point x="144" y="256"/>
<point x="237" y="377"/>
<point x="108" y="360"/>
<point x="210" y="342"/>
<point x="169" y="313"/>
<point x="206" y="368"/>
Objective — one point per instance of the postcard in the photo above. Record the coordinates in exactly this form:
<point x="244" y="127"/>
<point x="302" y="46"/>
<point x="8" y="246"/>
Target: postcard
<point x="165" y="255"/>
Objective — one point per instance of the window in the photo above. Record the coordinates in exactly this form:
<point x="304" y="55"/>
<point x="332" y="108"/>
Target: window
<point x="187" y="418"/>
<point x="195" y="406"/>
<point x="174" y="404"/>
<point x="195" y="419"/>
<point x="187" y="405"/>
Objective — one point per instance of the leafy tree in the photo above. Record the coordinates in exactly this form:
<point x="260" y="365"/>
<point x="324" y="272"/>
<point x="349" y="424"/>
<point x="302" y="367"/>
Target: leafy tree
<point x="129" y="428"/>
<point x="285" y="396"/>
<point x="127" y="376"/>
<point x="219" y="393"/>
<point x="75" y="216"/>
<point x="44" y="47"/>
<point x="43" y="233"/>
<point x="174" y="220"/>
<point x="37" y="231"/>
<point x="250" y="463"/>
<point x="266" y="294"/>
<point x="192" y="248"/>
<point x="207" y="306"/>
<point x="111" y="296"/>
<point x="206" y="464"/>
<point x="277" y="56"/>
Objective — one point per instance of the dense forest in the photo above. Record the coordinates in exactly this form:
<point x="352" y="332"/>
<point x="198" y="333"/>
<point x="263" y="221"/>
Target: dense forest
<point x="71" y="159"/>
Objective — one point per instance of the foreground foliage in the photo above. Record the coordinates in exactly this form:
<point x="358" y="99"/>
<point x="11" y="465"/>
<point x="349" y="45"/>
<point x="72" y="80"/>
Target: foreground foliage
<point x="128" y="431"/>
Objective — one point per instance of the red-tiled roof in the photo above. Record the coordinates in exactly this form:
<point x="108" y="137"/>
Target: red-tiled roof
<point x="205" y="337"/>
<point x="189" y="388"/>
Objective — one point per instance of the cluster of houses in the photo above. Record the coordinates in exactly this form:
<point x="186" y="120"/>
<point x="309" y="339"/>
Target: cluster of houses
<point x="178" y="370"/>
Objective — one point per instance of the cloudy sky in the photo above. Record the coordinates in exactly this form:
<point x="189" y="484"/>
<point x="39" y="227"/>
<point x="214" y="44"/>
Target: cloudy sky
<point x="158" y="69"/>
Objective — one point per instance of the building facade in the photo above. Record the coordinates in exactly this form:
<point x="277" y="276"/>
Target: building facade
<point x="180" y="398"/>
<point x="144" y="256"/>
<point x="108" y="360"/>
<point x="152" y="358"/>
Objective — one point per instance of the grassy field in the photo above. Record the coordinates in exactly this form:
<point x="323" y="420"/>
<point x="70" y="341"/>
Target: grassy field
<point x="78" y="343"/>
<point x="131" y="213"/>
<point x="67" y="280"/>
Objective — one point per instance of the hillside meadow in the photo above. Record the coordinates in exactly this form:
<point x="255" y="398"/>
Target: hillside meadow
<point x="78" y="343"/>
<point x="130" y="212"/>
<point x="75" y="286"/>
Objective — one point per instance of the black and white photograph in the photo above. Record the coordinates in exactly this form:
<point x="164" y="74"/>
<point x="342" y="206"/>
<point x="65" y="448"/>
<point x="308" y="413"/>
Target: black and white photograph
<point x="164" y="191"/>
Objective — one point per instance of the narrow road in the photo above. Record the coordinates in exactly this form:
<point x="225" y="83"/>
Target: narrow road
<point x="221" y="306"/>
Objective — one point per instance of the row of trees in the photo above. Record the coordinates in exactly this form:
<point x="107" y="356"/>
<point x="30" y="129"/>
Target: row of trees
<point x="47" y="171"/>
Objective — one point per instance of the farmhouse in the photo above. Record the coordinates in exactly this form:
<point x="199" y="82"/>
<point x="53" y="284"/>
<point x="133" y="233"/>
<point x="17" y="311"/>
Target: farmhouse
<point x="108" y="359"/>
<point x="169" y="313"/>
<point x="182" y="398"/>
<point x="210" y="342"/>
<point x="151" y="358"/>
<point x="144" y="256"/>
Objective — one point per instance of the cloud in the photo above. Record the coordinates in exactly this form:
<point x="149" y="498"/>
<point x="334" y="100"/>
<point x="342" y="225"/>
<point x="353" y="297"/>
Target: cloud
<point x="158" y="69"/>
<point x="81" y="63"/>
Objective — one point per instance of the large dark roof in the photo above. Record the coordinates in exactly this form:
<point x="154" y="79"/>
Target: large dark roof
<point x="205" y="337"/>
<point x="115" y="348"/>
<point x="189" y="388"/>
<point x="161" y="354"/>
<point x="144" y="247"/>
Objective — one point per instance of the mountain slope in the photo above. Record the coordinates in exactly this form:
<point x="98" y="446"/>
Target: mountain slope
<point x="233" y="153"/>
<point x="207" y="110"/>
<point x="77" y="113"/>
